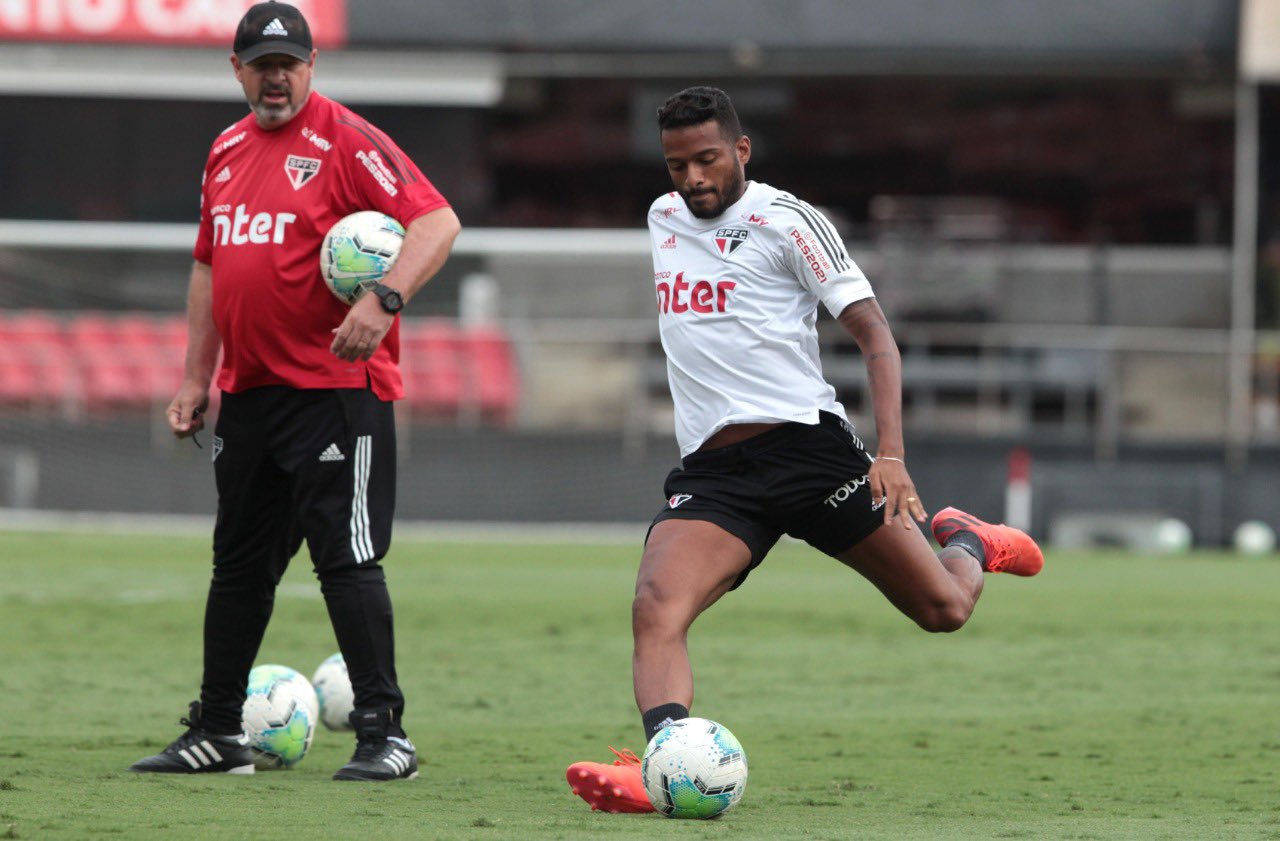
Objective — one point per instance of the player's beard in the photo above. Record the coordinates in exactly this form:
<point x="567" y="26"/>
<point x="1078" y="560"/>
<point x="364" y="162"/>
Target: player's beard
<point x="731" y="193"/>
<point x="277" y="113"/>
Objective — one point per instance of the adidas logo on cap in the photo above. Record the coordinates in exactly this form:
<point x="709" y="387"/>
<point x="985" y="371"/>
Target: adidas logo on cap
<point x="270" y="28"/>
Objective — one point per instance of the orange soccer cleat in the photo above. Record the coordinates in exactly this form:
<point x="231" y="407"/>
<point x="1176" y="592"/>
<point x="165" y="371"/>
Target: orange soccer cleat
<point x="1007" y="549"/>
<point x="610" y="788"/>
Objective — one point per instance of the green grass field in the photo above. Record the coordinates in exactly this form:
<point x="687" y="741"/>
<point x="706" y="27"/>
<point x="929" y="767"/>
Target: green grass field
<point x="1112" y="697"/>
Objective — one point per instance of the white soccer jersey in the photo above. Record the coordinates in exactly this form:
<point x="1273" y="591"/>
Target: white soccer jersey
<point x="737" y="303"/>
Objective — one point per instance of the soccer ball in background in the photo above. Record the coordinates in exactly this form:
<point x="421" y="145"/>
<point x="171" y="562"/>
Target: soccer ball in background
<point x="1254" y="537"/>
<point x="280" y="714"/>
<point x="1172" y="536"/>
<point x="333" y="690"/>
<point x="358" y="252"/>
<point x="694" y="768"/>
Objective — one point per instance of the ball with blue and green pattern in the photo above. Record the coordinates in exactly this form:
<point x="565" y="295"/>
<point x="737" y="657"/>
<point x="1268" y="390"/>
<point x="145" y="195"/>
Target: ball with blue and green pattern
<point x="694" y="768"/>
<point x="280" y="715"/>
<point x="358" y="252"/>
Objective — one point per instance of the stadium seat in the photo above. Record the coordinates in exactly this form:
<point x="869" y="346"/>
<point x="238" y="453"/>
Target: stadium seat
<point x="19" y="380"/>
<point x="138" y="331"/>
<point x="133" y="361"/>
<point x="490" y="373"/>
<point x="92" y="333"/>
<point x="35" y="326"/>
<point x="158" y="348"/>
<point x="171" y="334"/>
<point x="170" y="343"/>
<point x="122" y="361"/>
<point x="38" y="370"/>
<point x="430" y="360"/>
<point x="110" y="384"/>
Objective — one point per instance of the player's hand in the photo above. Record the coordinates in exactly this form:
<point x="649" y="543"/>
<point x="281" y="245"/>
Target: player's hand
<point x="362" y="330"/>
<point x="888" y="481"/>
<point x="186" y="413"/>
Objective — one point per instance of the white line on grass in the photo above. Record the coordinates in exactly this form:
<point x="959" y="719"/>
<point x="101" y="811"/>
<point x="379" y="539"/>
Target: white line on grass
<point x="95" y="522"/>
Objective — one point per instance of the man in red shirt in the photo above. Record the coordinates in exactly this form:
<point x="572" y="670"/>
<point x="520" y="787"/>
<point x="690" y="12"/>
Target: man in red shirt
<point x="304" y="446"/>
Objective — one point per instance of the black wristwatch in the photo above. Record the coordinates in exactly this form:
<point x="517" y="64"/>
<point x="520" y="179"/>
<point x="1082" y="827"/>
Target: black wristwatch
<point x="391" y="300"/>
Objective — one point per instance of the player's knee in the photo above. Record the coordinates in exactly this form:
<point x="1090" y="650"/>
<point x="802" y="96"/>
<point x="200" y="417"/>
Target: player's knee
<point x="654" y="611"/>
<point x="340" y="581"/>
<point x="646" y="610"/>
<point x="943" y="617"/>
<point x="243" y="582"/>
<point x="348" y="573"/>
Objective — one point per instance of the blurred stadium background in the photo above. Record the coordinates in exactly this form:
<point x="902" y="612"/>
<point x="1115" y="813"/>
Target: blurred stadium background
<point x="1070" y="211"/>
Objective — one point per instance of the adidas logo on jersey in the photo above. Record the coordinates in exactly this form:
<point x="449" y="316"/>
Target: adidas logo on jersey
<point x="223" y="175"/>
<point x="669" y="242"/>
<point x="275" y="28"/>
<point x="332" y="453"/>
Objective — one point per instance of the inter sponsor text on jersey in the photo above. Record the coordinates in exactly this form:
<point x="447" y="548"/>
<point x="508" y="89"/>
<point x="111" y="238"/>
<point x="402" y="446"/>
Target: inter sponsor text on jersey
<point x="268" y="199"/>
<point x="737" y="300"/>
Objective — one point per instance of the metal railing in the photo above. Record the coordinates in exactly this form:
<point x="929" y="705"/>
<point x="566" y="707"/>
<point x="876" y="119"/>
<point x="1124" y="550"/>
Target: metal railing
<point x="1128" y="379"/>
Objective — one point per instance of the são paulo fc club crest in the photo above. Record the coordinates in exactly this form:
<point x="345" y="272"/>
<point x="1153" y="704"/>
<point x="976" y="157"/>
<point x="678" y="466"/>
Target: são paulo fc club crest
<point x="300" y="170"/>
<point x="728" y="240"/>
<point x="678" y="499"/>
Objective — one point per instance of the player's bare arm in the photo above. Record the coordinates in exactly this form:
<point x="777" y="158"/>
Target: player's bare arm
<point x="427" y="242"/>
<point x="888" y="478"/>
<point x="185" y="413"/>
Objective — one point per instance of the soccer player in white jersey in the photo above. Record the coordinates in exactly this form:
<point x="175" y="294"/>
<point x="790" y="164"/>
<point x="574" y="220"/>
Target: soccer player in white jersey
<point x="739" y="270"/>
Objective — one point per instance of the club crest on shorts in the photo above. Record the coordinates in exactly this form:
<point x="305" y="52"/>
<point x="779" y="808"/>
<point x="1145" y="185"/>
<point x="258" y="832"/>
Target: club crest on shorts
<point x="217" y="448"/>
<point x="678" y="499"/>
<point x="729" y="240"/>
<point x="301" y="170"/>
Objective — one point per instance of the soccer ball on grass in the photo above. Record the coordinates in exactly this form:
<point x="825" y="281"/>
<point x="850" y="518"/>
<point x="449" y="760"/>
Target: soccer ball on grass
<point x="333" y="690"/>
<point x="280" y="714"/>
<point x="694" y="768"/>
<point x="358" y="252"/>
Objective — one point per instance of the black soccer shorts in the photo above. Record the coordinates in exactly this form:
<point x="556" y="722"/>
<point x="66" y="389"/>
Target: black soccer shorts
<point x="805" y="480"/>
<point x="294" y="464"/>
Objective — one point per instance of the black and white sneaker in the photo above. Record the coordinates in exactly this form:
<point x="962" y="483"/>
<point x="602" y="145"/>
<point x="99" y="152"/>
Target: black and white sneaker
<point x="379" y="755"/>
<point x="200" y="752"/>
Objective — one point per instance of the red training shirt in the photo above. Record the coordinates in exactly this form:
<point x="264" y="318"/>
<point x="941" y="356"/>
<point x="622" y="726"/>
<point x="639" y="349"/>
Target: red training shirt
<point x="268" y="199"/>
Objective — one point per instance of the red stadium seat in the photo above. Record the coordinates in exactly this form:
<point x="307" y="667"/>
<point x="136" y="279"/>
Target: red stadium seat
<point x="37" y="370"/>
<point x="129" y="361"/>
<point x="138" y="331"/>
<point x="93" y="333"/>
<point x="171" y="334"/>
<point x="110" y="384"/>
<point x="431" y="364"/>
<point x="171" y="352"/>
<point x="158" y="348"/>
<point x="35" y="326"/>
<point x="491" y="374"/>
<point x="135" y="361"/>
<point x="19" y="380"/>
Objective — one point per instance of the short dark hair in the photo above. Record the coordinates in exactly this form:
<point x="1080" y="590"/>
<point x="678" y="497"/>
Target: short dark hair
<point x="695" y="106"/>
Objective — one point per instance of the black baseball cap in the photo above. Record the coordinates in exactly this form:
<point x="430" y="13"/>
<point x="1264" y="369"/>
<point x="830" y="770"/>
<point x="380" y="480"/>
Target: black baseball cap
<point x="272" y="28"/>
